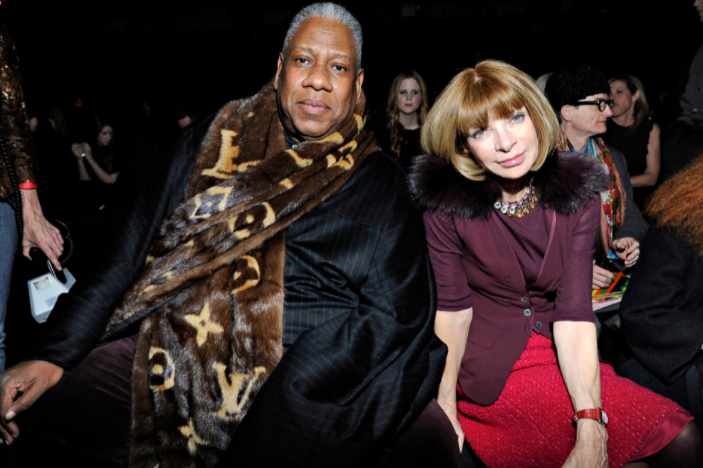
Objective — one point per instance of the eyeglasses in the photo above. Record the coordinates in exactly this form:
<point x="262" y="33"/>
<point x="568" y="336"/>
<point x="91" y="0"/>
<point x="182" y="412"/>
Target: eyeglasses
<point x="601" y="103"/>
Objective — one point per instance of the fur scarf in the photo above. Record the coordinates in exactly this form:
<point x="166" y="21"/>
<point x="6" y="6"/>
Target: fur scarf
<point x="565" y="182"/>
<point x="210" y="297"/>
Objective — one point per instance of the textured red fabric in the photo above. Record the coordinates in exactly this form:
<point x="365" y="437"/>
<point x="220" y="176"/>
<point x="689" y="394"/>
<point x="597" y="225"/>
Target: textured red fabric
<point x="530" y="423"/>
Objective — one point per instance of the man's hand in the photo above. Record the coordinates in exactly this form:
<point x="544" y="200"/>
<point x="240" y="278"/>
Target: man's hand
<point x="601" y="277"/>
<point x="38" y="232"/>
<point x="32" y="379"/>
<point x="591" y="448"/>
<point x="627" y="249"/>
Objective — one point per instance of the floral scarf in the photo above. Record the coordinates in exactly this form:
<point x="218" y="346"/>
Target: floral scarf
<point x="612" y="214"/>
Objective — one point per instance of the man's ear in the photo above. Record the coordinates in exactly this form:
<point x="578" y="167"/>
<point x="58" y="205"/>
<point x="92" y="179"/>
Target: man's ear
<point x="278" y="72"/>
<point x="359" y="82"/>
<point x="566" y="113"/>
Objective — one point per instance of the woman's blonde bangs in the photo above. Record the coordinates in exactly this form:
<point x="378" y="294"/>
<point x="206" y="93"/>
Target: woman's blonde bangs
<point x="492" y="90"/>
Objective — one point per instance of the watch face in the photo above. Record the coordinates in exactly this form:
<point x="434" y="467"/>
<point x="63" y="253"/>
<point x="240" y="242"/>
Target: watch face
<point x="604" y="417"/>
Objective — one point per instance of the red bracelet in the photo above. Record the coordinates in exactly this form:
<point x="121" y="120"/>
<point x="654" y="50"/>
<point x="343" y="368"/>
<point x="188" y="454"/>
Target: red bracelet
<point x="27" y="185"/>
<point x="596" y="414"/>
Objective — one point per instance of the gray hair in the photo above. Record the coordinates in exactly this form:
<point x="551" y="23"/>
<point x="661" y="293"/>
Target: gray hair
<point x="330" y="11"/>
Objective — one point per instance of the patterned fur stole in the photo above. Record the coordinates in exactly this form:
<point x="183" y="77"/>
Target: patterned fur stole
<point x="211" y="292"/>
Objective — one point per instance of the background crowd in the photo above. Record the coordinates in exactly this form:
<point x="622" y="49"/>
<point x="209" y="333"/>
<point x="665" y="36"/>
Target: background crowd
<point x="91" y="142"/>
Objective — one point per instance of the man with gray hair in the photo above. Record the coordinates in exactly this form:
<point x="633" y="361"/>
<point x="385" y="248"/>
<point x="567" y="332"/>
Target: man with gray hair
<point x="266" y="301"/>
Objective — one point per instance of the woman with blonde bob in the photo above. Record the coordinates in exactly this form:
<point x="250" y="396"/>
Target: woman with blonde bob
<point x="511" y="226"/>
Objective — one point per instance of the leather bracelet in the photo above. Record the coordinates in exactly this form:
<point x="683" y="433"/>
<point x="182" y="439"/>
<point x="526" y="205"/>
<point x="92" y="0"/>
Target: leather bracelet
<point x="28" y="185"/>
<point x="597" y="414"/>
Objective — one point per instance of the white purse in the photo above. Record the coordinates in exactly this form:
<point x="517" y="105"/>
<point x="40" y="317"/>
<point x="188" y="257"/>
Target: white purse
<point x="45" y="290"/>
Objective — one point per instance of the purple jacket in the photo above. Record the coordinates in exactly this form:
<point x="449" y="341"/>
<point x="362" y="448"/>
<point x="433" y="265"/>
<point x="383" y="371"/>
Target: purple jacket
<point x="464" y="234"/>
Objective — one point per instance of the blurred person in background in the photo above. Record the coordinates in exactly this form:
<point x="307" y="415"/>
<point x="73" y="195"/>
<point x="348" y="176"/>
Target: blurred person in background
<point x="632" y="132"/>
<point x="662" y="310"/>
<point x="57" y="167"/>
<point x="683" y="113"/>
<point x="580" y="98"/>
<point x="21" y="216"/>
<point x="98" y="163"/>
<point x="406" y="110"/>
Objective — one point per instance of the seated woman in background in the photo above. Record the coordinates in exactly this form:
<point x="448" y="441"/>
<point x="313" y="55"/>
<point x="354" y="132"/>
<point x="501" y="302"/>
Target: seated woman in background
<point x="98" y="163"/>
<point x="405" y="113"/>
<point x="633" y="133"/>
<point x="662" y="310"/>
<point x="511" y="225"/>
<point x="579" y="97"/>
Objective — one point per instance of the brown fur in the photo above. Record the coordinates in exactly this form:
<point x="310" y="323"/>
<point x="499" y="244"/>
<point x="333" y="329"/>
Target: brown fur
<point x="678" y="205"/>
<point x="211" y="293"/>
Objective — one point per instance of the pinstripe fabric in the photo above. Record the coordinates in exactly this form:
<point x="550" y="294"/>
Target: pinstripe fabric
<point x="361" y="360"/>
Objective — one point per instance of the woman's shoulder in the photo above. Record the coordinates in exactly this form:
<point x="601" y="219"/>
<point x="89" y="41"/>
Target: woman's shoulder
<point x="437" y="186"/>
<point x="568" y="181"/>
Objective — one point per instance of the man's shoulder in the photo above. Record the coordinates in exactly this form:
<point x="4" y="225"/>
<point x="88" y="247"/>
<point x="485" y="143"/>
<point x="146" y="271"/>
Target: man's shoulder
<point x="377" y="187"/>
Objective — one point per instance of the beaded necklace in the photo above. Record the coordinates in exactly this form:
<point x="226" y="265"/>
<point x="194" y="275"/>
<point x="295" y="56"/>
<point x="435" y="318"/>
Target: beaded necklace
<point x="521" y="207"/>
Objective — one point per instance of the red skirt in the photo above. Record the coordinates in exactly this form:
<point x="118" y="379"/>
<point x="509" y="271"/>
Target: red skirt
<point x="530" y="423"/>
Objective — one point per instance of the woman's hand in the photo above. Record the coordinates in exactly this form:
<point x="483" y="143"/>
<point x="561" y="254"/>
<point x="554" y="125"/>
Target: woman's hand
<point x="87" y="150"/>
<point x="591" y="448"/>
<point x="82" y="148"/>
<point x="627" y="249"/>
<point x="38" y="232"/>
<point x="451" y="414"/>
<point x="601" y="277"/>
<point x="77" y="149"/>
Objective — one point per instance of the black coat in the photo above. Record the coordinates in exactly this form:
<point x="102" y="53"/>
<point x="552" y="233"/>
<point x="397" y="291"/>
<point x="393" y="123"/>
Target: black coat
<point x="662" y="318"/>
<point x="361" y="358"/>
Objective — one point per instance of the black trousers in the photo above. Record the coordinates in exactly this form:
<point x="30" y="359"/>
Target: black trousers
<point x="85" y="421"/>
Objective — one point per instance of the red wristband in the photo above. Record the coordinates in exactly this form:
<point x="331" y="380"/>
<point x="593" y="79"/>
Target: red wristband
<point x="596" y="414"/>
<point x="27" y="185"/>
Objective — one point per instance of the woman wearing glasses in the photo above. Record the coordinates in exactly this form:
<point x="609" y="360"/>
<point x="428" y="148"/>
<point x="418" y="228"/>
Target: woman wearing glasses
<point x="580" y="98"/>
<point x="510" y="226"/>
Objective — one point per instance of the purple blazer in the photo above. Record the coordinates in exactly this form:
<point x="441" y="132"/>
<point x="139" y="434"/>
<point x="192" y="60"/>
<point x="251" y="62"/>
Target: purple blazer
<point x="470" y="251"/>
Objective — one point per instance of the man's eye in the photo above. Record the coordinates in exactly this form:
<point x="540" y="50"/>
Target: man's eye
<point x="339" y="68"/>
<point x="302" y="60"/>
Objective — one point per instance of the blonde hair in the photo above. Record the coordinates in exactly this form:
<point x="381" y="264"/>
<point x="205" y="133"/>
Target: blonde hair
<point x="491" y="90"/>
<point x="641" y="111"/>
<point x="395" y="129"/>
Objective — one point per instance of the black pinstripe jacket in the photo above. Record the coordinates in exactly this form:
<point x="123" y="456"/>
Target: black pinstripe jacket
<point x="361" y="358"/>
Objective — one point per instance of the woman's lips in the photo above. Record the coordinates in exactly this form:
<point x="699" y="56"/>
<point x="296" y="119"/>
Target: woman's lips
<point x="516" y="161"/>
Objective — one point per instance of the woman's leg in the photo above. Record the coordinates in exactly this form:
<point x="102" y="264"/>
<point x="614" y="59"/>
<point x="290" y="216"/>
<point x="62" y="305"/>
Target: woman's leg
<point x="685" y="451"/>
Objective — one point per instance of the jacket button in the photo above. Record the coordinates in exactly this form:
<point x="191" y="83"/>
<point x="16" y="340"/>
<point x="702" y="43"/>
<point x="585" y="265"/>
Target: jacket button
<point x="524" y="299"/>
<point x="528" y="312"/>
<point x="538" y="324"/>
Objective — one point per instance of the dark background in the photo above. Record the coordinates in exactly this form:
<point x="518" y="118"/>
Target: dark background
<point x="110" y="53"/>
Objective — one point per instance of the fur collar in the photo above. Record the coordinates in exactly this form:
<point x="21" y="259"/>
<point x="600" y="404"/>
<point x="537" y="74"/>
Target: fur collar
<point x="565" y="183"/>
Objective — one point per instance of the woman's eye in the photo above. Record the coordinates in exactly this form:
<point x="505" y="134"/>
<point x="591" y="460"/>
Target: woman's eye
<point x="416" y="93"/>
<point x="478" y="133"/>
<point x="518" y="117"/>
<point x="402" y="91"/>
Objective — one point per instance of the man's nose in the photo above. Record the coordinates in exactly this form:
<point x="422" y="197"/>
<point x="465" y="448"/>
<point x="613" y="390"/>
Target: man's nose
<point x="608" y="112"/>
<point x="318" y="78"/>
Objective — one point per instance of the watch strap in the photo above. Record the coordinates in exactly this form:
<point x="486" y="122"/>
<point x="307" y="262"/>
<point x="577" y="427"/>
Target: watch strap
<point x="596" y="414"/>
